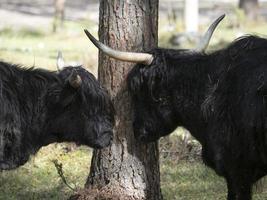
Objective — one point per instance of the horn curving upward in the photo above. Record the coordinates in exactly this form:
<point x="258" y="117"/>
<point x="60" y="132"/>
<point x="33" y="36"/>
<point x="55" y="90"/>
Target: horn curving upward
<point x="204" y="42"/>
<point x="144" y="58"/>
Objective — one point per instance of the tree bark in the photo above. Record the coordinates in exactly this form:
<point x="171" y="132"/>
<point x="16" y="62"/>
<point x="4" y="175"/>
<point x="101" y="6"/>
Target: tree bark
<point x="250" y="7"/>
<point x="126" y="169"/>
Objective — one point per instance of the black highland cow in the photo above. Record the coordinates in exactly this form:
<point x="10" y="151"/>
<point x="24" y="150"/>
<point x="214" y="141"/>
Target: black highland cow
<point x="38" y="107"/>
<point x="220" y="97"/>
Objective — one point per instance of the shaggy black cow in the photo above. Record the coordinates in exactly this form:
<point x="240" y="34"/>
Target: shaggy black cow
<point x="39" y="107"/>
<point x="219" y="97"/>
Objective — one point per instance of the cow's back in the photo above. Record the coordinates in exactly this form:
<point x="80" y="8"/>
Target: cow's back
<point x="237" y="122"/>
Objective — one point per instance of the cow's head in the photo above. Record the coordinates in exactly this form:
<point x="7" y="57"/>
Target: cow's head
<point x="80" y="110"/>
<point x="65" y="106"/>
<point x="155" y="114"/>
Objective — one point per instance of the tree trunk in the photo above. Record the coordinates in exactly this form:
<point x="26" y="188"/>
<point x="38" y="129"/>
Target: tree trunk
<point x="127" y="169"/>
<point x="59" y="15"/>
<point x="250" y="7"/>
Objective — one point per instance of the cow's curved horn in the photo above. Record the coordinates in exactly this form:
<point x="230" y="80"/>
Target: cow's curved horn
<point x="144" y="58"/>
<point x="204" y="42"/>
<point x="75" y="80"/>
<point x="60" y="61"/>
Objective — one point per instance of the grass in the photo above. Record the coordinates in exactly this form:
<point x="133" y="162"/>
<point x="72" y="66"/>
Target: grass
<point x="190" y="180"/>
<point x="39" y="47"/>
<point x="194" y="181"/>
<point x="38" y="179"/>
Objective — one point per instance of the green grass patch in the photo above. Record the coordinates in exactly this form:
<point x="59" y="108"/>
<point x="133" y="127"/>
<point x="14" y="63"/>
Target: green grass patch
<point x="194" y="181"/>
<point x="22" y="32"/>
<point x="190" y="180"/>
<point x="38" y="178"/>
<point x="30" y="47"/>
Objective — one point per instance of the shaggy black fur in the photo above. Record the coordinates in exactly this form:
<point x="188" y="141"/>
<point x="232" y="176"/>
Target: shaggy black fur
<point x="38" y="107"/>
<point x="220" y="98"/>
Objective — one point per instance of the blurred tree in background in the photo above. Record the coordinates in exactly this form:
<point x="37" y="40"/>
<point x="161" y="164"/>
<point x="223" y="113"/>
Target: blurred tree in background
<point x="59" y="16"/>
<point x="250" y="7"/>
<point x="191" y="16"/>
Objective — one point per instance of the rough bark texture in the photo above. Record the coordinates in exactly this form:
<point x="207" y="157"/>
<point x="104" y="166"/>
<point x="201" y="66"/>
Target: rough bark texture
<point x="250" y="7"/>
<point x="127" y="169"/>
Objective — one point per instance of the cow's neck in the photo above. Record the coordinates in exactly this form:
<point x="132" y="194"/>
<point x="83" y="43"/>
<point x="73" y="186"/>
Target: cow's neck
<point x="193" y="82"/>
<point x="36" y="106"/>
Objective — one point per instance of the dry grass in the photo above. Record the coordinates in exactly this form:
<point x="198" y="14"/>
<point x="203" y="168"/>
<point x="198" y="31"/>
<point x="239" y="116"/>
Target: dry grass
<point x="38" y="178"/>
